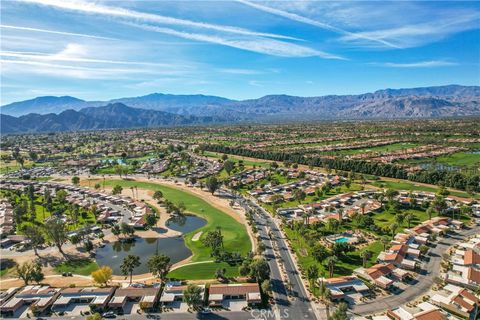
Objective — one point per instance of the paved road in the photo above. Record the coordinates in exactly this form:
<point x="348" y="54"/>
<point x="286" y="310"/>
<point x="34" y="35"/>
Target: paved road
<point x="223" y="315"/>
<point x="425" y="280"/>
<point x="299" y="306"/>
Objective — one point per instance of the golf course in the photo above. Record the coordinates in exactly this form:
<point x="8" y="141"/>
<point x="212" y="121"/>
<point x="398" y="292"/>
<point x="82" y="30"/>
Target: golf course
<point x="201" y="264"/>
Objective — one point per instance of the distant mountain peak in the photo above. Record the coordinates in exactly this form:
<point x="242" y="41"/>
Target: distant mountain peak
<point x="438" y="101"/>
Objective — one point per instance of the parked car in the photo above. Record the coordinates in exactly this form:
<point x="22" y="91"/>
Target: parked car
<point x="109" y="315"/>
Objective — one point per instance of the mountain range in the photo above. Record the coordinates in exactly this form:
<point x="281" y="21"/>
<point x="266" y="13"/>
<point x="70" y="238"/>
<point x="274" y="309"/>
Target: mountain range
<point x="68" y="113"/>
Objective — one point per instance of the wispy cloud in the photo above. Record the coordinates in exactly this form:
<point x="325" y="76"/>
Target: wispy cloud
<point x="408" y="35"/>
<point x="239" y="71"/>
<point x="309" y="21"/>
<point x="418" y="64"/>
<point x="60" y="64"/>
<point x="55" y="32"/>
<point x="255" y="83"/>
<point x="94" y="8"/>
<point x="66" y="55"/>
<point x="255" y="44"/>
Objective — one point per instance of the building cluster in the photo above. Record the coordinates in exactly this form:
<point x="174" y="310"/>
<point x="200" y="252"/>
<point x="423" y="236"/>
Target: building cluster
<point x="109" y="208"/>
<point x="75" y="301"/>
<point x="236" y="296"/>
<point x="307" y="181"/>
<point x="464" y="264"/>
<point x="397" y="266"/>
<point x="424" y="151"/>
<point x="154" y="166"/>
<point x="7" y="222"/>
<point x="456" y="297"/>
<point x="202" y="167"/>
<point x="338" y="207"/>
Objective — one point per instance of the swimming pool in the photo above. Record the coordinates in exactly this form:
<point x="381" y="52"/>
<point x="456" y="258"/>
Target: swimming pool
<point x="342" y="239"/>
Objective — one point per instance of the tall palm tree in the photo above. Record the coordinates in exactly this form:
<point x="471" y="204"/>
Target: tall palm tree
<point x="385" y="242"/>
<point x="362" y="206"/>
<point x="409" y="217"/>
<point x="129" y="264"/>
<point x="366" y="255"/>
<point x="325" y="295"/>
<point x="399" y="218"/>
<point x="312" y="275"/>
<point x="133" y="193"/>
<point x="330" y="262"/>
<point x="393" y="229"/>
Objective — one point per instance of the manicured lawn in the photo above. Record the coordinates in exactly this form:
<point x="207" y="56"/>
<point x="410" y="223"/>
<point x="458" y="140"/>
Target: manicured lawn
<point x="202" y="271"/>
<point x="386" y="218"/>
<point x="83" y="267"/>
<point x="346" y="263"/>
<point x="234" y="233"/>
<point x="246" y="162"/>
<point x="406" y="185"/>
<point x="461" y="159"/>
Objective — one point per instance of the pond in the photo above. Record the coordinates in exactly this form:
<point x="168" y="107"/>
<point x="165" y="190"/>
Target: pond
<point x="113" y="253"/>
<point x="185" y="224"/>
<point x="437" y="166"/>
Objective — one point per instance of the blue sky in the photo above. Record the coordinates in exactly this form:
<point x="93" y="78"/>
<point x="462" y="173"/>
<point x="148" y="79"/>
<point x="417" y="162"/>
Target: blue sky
<point x="98" y="50"/>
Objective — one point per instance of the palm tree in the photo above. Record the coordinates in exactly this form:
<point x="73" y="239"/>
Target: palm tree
<point x="312" y="275"/>
<point x="133" y="193"/>
<point x="393" y="229"/>
<point x="129" y="263"/>
<point x="362" y="206"/>
<point x="399" y="218"/>
<point x="385" y="242"/>
<point x="409" y="217"/>
<point x="366" y="255"/>
<point x="330" y="262"/>
<point x="430" y="212"/>
<point x="325" y="295"/>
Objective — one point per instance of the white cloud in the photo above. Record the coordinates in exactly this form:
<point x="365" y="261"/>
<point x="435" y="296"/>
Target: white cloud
<point x="77" y="53"/>
<point x="257" y="44"/>
<point x="239" y="71"/>
<point x="306" y="20"/>
<point x="94" y="8"/>
<point x="407" y="36"/>
<point x="60" y="64"/>
<point x="255" y="83"/>
<point x="54" y="32"/>
<point x="419" y="64"/>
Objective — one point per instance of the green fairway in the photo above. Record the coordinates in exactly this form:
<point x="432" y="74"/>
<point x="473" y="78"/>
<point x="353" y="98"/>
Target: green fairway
<point x="461" y="159"/>
<point x="235" y="234"/>
<point x="202" y="271"/>
<point x="83" y="267"/>
<point x="411" y="186"/>
<point x="247" y="162"/>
